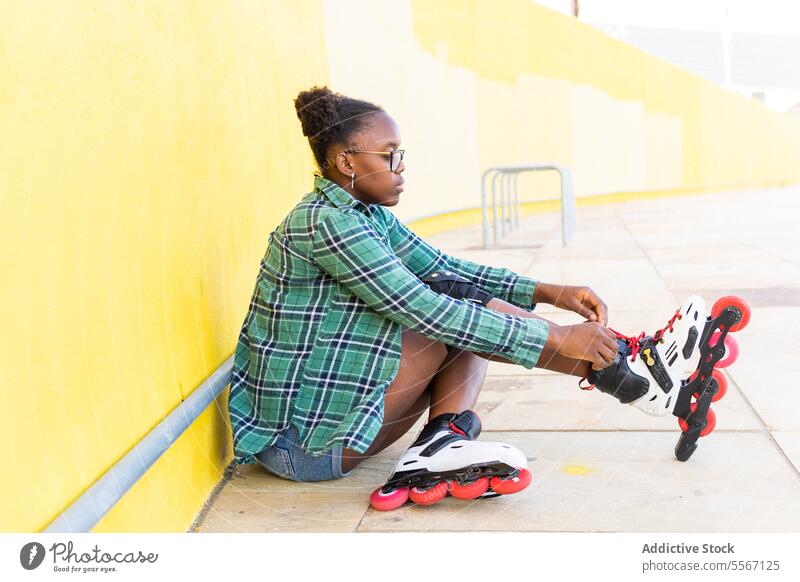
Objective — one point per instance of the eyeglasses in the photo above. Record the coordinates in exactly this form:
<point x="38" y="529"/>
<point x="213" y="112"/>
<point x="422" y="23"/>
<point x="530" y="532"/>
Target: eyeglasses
<point x="395" y="157"/>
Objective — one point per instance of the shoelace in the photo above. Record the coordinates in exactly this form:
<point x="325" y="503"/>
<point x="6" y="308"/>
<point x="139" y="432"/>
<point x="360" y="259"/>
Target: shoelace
<point x="634" y="343"/>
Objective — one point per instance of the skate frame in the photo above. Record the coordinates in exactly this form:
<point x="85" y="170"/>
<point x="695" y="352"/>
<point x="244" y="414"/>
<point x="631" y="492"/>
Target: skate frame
<point x="704" y="383"/>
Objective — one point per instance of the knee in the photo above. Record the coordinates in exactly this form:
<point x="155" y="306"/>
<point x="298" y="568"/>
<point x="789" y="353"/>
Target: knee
<point x="461" y="355"/>
<point x="416" y="346"/>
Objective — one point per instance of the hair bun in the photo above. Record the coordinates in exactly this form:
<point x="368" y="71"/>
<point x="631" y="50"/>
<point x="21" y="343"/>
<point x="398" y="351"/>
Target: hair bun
<point x="317" y="111"/>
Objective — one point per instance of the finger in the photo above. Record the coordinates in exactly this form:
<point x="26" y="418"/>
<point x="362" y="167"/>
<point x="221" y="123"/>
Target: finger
<point x="611" y="344"/>
<point x="597" y="305"/>
<point x="599" y="309"/>
<point x="602" y="361"/>
<point x="584" y="311"/>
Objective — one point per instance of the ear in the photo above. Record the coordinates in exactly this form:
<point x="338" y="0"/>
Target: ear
<point x="343" y="162"/>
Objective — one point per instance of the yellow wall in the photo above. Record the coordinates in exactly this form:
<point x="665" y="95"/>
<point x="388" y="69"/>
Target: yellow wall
<point x="475" y="83"/>
<point x="145" y="151"/>
<point x="149" y="148"/>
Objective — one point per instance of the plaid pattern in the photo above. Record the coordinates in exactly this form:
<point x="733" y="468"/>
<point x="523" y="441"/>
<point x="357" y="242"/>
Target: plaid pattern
<point x="321" y="341"/>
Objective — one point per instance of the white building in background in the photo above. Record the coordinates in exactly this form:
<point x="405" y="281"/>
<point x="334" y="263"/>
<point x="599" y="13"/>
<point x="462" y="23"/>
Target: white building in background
<point x="752" y="48"/>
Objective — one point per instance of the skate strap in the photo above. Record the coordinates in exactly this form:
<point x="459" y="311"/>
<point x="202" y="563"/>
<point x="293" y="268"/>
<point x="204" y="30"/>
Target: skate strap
<point x="467" y="424"/>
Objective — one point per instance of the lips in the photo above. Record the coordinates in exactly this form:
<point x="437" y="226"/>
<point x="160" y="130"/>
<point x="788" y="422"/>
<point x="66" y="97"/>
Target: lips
<point x="400" y="185"/>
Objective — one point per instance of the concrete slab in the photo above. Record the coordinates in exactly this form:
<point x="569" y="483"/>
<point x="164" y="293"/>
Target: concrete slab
<point x="625" y="481"/>
<point x="624" y="284"/>
<point x="255" y="500"/>
<point x="555" y="403"/>
<point x="766" y="272"/>
<point x="789" y="442"/>
<point x="766" y="371"/>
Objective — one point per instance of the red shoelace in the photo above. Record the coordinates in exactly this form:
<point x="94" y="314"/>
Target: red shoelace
<point x="635" y="342"/>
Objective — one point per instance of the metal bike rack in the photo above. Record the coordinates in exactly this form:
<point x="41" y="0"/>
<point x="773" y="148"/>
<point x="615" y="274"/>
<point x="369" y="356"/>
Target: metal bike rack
<point x="507" y="176"/>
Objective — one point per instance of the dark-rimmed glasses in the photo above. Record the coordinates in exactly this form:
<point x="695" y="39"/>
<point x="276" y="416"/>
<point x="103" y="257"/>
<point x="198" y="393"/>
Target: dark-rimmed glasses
<point x="395" y="157"/>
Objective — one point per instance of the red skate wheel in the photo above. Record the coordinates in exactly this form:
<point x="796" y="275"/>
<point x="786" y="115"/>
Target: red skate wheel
<point x="731" y="349"/>
<point x="508" y="485"/>
<point x="388" y="501"/>
<point x="470" y="490"/>
<point x="732" y="301"/>
<point x="428" y="496"/>
<point x="722" y="384"/>
<point x="711" y="421"/>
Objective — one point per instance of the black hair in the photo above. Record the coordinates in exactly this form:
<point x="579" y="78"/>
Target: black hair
<point x="328" y="118"/>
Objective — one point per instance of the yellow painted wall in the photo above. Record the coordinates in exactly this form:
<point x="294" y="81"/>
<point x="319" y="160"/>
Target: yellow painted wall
<point x="147" y="149"/>
<point x="475" y="83"/>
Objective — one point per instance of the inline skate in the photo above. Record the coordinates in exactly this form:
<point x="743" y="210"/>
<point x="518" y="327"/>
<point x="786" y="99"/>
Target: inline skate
<point x="659" y="383"/>
<point x="446" y="459"/>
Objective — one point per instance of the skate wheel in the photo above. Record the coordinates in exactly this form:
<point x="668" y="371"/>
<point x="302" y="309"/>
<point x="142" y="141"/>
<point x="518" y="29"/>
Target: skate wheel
<point x="731" y="349"/>
<point x="388" y="501"/>
<point x="509" y="485"/>
<point x="711" y="421"/>
<point x="732" y="301"/>
<point x="470" y="490"/>
<point x="428" y="496"/>
<point x="722" y="384"/>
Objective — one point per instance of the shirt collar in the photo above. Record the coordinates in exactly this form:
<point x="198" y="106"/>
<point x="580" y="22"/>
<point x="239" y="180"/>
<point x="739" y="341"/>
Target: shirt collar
<point x="338" y="195"/>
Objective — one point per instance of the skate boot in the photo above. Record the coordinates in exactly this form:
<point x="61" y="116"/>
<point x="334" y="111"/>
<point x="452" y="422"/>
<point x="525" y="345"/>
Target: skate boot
<point x="661" y="380"/>
<point x="445" y="458"/>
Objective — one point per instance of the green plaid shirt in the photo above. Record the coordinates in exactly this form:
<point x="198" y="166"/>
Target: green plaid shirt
<point x="321" y="342"/>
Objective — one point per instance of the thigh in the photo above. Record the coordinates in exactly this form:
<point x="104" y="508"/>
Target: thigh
<point x="420" y="360"/>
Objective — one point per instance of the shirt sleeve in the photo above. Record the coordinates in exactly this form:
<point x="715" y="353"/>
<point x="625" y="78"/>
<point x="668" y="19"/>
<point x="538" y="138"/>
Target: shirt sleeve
<point x="349" y="249"/>
<point x="422" y="258"/>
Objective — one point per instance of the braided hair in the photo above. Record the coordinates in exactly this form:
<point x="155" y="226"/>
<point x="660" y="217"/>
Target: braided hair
<point x="330" y="118"/>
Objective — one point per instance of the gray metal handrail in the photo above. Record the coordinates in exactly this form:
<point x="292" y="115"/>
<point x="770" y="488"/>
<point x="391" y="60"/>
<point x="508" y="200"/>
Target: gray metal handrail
<point x="508" y="175"/>
<point x="98" y="500"/>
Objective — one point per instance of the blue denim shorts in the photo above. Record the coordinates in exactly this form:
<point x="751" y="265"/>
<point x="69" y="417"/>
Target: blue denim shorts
<point x="286" y="459"/>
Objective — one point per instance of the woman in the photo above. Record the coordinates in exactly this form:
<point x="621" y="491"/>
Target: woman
<point x="357" y="326"/>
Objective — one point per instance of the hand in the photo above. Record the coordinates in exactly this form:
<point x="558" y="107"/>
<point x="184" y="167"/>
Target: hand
<point x="584" y="341"/>
<point x="580" y="299"/>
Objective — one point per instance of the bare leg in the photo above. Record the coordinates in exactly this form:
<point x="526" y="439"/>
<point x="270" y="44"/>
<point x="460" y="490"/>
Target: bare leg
<point x="457" y="384"/>
<point x="549" y="359"/>
<point x="420" y="359"/>
<point x="452" y="387"/>
<point x="446" y="378"/>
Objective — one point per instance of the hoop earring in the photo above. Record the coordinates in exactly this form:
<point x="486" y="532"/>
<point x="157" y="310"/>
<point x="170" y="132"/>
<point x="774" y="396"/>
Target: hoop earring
<point x="352" y="180"/>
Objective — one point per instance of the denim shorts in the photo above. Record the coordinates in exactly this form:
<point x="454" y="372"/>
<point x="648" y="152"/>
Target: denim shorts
<point x="286" y="459"/>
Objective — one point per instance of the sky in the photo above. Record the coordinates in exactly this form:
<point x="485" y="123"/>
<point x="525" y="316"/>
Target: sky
<point x="762" y="16"/>
<point x="777" y="17"/>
